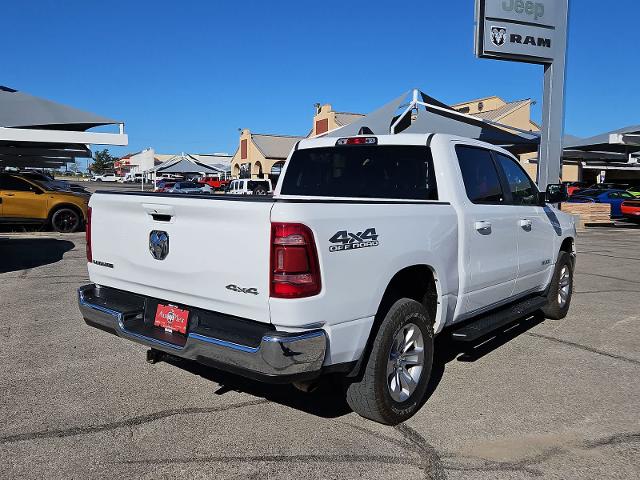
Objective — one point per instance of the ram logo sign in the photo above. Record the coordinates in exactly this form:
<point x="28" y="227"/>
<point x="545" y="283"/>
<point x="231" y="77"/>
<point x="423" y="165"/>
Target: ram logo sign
<point x="519" y="30"/>
<point x="345" y="240"/>
<point x="498" y="35"/>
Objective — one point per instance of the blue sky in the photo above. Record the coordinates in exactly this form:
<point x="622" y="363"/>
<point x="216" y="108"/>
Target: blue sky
<point x="184" y="76"/>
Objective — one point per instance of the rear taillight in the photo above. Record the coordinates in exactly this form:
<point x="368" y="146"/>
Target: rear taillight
<point x="87" y="230"/>
<point x="295" y="271"/>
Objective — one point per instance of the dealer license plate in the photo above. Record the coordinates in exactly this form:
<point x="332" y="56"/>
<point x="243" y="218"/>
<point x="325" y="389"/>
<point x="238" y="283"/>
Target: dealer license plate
<point x="172" y="319"/>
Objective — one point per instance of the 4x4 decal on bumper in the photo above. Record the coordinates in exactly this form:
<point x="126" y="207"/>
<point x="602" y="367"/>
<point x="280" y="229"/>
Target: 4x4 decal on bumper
<point x="344" y="240"/>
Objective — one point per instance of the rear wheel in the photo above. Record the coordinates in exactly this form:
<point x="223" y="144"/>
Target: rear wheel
<point x="561" y="289"/>
<point x="260" y="191"/>
<point x="397" y="372"/>
<point x="66" y="220"/>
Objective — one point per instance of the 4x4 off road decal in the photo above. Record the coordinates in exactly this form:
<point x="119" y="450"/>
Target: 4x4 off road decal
<point x="344" y="240"/>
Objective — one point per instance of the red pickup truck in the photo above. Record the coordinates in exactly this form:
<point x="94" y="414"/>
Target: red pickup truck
<point x="214" y="182"/>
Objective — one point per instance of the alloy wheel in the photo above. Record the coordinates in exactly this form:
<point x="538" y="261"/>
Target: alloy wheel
<point x="564" y="286"/>
<point x="65" y="221"/>
<point x="406" y="360"/>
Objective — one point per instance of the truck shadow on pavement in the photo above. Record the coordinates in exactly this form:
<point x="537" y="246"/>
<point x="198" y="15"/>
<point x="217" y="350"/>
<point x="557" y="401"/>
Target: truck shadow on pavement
<point x="25" y="253"/>
<point x="448" y="350"/>
<point x="328" y="400"/>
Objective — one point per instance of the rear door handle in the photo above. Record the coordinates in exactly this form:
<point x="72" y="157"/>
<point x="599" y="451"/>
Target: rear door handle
<point x="525" y="223"/>
<point x="483" y="226"/>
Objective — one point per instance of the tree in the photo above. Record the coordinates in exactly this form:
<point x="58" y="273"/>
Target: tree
<point x="102" y="161"/>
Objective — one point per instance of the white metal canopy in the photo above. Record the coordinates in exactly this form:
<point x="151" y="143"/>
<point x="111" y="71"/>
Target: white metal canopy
<point x="425" y="114"/>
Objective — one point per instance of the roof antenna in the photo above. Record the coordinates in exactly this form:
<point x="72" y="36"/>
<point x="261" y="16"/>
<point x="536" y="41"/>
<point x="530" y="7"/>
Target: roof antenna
<point x="365" y="131"/>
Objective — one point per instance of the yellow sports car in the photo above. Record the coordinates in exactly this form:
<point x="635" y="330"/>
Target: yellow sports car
<point x="28" y="201"/>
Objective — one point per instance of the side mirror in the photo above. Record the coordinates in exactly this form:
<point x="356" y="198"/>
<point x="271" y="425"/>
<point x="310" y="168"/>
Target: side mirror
<point x="556" y="193"/>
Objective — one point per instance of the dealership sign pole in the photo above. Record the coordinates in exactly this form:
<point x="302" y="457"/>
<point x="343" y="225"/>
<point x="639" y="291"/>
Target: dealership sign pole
<point x="532" y="32"/>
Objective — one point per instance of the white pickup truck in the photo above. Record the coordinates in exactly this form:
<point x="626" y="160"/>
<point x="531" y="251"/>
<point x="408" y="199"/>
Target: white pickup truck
<point x="369" y="247"/>
<point x="106" y="177"/>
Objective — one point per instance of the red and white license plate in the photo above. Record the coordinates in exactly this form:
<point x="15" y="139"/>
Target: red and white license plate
<point x="172" y="319"/>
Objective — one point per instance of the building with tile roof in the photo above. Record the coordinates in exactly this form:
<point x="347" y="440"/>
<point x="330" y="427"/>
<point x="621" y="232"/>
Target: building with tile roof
<point x="260" y="155"/>
<point x="495" y="109"/>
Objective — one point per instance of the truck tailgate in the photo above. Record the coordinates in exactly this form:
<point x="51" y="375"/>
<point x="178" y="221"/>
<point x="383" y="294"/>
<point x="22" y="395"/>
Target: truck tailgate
<point x="218" y="250"/>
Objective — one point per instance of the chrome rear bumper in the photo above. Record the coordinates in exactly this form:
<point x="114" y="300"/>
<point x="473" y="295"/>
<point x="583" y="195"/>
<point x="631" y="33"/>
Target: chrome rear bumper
<point x="278" y="356"/>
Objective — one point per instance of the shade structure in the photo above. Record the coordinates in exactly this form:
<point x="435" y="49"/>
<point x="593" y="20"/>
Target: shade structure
<point x="41" y="155"/>
<point x="379" y="121"/>
<point x="19" y="109"/>
<point x="425" y="114"/>
<point x="624" y="140"/>
<point x="36" y="132"/>
<point x="185" y="163"/>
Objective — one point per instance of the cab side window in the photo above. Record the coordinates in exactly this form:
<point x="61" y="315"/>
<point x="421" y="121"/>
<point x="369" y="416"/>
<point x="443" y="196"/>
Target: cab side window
<point x="523" y="190"/>
<point x="15" y="184"/>
<point x="480" y="176"/>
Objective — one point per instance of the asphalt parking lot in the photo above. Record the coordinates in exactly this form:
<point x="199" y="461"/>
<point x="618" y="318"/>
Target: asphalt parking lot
<point x="545" y="399"/>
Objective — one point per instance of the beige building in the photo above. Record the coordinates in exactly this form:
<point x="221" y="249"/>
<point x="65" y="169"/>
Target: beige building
<point x="326" y="119"/>
<point x="260" y="155"/>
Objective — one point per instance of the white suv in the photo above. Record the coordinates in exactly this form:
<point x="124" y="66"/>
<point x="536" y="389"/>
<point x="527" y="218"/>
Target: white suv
<point x="246" y="186"/>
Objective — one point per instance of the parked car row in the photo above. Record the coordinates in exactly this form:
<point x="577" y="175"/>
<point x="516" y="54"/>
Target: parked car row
<point x="615" y="198"/>
<point x="233" y="187"/>
<point x="112" y="177"/>
<point x="578" y="188"/>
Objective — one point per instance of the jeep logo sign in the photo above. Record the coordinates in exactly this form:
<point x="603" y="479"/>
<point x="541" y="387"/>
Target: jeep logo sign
<point x="521" y="30"/>
<point x="522" y="7"/>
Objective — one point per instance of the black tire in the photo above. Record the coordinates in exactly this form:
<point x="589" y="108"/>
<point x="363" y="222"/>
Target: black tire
<point x="260" y="191"/>
<point x="66" y="220"/>
<point x="371" y="396"/>
<point x="559" y="303"/>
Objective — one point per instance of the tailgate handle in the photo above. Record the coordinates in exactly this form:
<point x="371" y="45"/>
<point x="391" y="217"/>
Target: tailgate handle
<point x="160" y="213"/>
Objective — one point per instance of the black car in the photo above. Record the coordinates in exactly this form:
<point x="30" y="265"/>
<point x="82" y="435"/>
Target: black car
<point x="52" y="183"/>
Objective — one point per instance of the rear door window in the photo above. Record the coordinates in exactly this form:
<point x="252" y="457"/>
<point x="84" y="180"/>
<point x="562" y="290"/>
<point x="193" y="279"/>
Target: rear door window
<point x="385" y="171"/>
<point x="480" y="176"/>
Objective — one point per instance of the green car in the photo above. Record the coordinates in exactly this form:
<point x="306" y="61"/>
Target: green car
<point x="635" y="191"/>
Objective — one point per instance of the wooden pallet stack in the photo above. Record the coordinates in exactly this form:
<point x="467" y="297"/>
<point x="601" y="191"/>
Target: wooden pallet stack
<point x="588" y="214"/>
